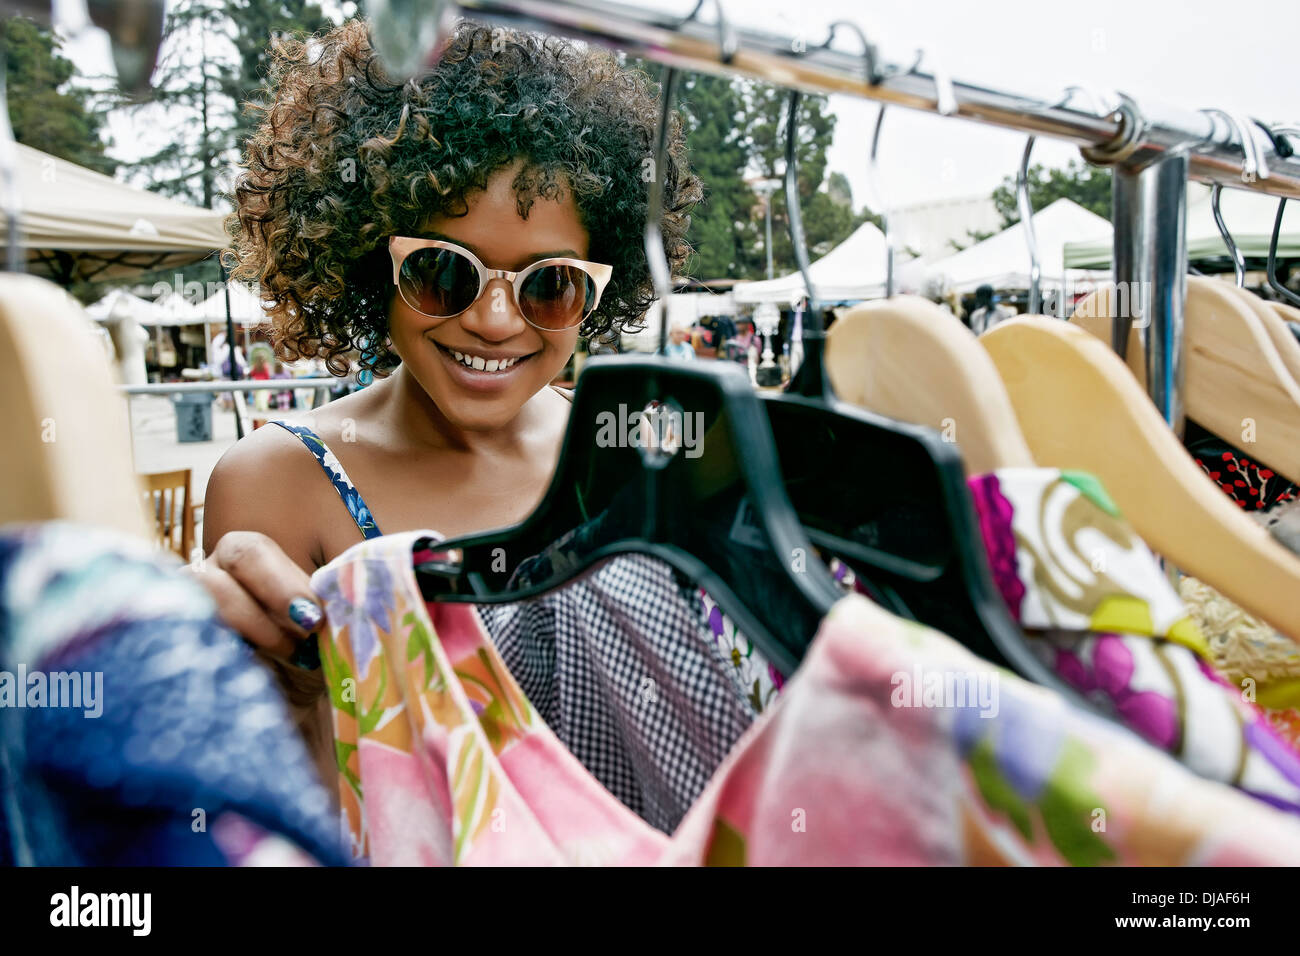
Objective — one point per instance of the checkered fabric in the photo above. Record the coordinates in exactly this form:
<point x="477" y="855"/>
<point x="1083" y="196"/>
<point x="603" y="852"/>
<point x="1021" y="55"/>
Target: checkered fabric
<point x="622" y="667"/>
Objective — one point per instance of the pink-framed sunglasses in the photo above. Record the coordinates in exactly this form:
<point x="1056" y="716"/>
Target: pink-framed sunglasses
<point x="440" y="279"/>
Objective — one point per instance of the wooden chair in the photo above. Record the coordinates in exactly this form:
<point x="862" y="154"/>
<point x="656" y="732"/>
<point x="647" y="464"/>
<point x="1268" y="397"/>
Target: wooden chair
<point x="171" y="502"/>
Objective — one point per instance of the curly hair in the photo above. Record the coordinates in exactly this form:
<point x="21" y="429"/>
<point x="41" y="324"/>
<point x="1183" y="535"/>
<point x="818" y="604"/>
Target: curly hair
<point x="345" y="157"/>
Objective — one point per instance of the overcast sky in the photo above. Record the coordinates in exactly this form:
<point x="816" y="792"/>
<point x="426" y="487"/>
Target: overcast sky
<point x="1186" y="53"/>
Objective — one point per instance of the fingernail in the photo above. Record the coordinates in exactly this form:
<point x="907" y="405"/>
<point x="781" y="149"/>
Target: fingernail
<point x="307" y="655"/>
<point x="306" y="614"/>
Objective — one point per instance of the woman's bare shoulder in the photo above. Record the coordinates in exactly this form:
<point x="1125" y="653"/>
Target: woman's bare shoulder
<point x="261" y="483"/>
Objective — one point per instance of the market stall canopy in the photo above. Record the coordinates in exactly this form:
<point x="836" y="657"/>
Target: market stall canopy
<point x="77" y="224"/>
<point x="120" y="304"/>
<point x="245" y="306"/>
<point x="178" y="310"/>
<point x="852" y="271"/>
<point x="170" y="309"/>
<point x="929" y="228"/>
<point x="1248" y="216"/>
<point x="1002" y="261"/>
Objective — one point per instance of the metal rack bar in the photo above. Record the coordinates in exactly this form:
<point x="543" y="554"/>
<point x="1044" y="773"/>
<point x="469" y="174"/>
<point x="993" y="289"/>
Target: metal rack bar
<point x="1150" y="216"/>
<point x="1154" y="148"/>
<point x="1149" y="127"/>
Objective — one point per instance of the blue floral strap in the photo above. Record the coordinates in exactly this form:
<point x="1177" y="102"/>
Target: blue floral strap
<point x="338" y="478"/>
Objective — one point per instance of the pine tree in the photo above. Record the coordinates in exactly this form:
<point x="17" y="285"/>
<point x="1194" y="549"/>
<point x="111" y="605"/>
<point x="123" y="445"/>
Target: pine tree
<point x="187" y="98"/>
<point x="721" y="226"/>
<point x="257" y="21"/>
<point x="827" y="222"/>
<point x="64" y="123"/>
<point x="215" y="61"/>
<point x="1089" y="186"/>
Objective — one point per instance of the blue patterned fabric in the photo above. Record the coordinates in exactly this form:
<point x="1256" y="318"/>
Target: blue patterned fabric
<point x="187" y="739"/>
<point x="338" y="478"/>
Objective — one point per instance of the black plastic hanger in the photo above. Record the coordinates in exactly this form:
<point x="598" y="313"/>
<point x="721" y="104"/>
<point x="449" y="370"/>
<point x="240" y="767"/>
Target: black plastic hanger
<point x="699" y="488"/>
<point x="888" y="498"/>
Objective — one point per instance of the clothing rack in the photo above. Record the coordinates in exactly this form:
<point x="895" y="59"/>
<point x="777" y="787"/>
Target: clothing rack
<point x="1154" y="149"/>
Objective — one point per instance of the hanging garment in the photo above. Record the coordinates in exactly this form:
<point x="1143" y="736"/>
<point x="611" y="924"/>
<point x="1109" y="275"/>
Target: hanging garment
<point x="1120" y="636"/>
<point x="1253" y="486"/>
<point x="1266" y="496"/>
<point x="891" y="745"/>
<point x="1098" y="610"/>
<point x="650" y="715"/>
<point x="622" y="669"/>
<point x="594" y="655"/>
<point x="136" y="728"/>
<point x="1247" y="652"/>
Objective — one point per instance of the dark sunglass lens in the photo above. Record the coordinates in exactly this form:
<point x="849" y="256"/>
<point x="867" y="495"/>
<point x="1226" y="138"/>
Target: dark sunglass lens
<point x="438" y="282"/>
<point x="558" y="297"/>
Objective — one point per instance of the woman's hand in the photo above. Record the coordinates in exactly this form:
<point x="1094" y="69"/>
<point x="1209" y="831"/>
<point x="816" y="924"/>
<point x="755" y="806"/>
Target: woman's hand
<point x="267" y="598"/>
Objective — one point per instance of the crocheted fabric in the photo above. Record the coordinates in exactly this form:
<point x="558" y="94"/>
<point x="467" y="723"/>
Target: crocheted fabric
<point x="1247" y="652"/>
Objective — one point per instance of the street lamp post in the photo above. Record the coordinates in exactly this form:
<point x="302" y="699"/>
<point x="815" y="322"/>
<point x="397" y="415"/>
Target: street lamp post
<point x="765" y="188"/>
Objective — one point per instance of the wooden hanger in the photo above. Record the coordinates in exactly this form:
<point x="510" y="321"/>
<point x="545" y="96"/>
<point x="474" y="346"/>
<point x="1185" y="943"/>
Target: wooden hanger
<point x="1080" y="408"/>
<point x="908" y="359"/>
<point x="1287" y="313"/>
<point x="1288" y="349"/>
<point x="1290" y="316"/>
<point x="1233" y="370"/>
<point x="65" y="433"/>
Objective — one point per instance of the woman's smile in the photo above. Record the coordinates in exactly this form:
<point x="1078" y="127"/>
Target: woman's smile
<point x="483" y="370"/>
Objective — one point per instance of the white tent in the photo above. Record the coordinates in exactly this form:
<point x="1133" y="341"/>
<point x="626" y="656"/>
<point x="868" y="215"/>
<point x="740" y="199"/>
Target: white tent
<point x="929" y="228"/>
<point x="1248" y="216"/>
<point x="1002" y="261"/>
<point x="853" y="270"/>
<point x="119" y="304"/>
<point x="245" y="307"/>
<point x="79" y="224"/>
<point x="178" y="309"/>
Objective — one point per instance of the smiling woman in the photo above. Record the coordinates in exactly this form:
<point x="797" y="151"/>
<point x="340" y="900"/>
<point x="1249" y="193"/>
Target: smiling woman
<point x="462" y="229"/>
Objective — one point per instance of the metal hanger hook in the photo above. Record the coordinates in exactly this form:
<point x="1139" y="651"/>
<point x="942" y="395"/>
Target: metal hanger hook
<point x="1272" y="268"/>
<point x="869" y="53"/>
<point x="794" y="209"/>
<point x="1253" y="164"/>
<point x="878" y="201"/>
<point x="1026" y="207"/>
<point x="1238" y="262"/>
<point x="728" y="42"/>
<point x="945" y="93"/>
<point x="1273" y="282"/>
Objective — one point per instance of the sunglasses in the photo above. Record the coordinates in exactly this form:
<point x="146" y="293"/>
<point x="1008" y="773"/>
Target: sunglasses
<point x="441" y="279"/>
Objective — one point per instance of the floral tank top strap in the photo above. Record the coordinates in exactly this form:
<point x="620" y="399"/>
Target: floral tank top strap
<point x="356" y="505"/>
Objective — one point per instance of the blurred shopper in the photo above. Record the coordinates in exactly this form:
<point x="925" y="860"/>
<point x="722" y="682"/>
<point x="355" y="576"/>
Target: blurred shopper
<point x="679" y="346"/>
<point x="987" y="313"/>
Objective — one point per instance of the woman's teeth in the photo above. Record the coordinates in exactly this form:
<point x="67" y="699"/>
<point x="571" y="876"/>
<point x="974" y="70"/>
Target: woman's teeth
<point x="482" y="364"/>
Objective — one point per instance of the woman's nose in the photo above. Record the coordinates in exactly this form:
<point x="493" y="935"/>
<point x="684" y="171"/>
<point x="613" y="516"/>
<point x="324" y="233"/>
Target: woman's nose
<point x="495" y="317"/>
